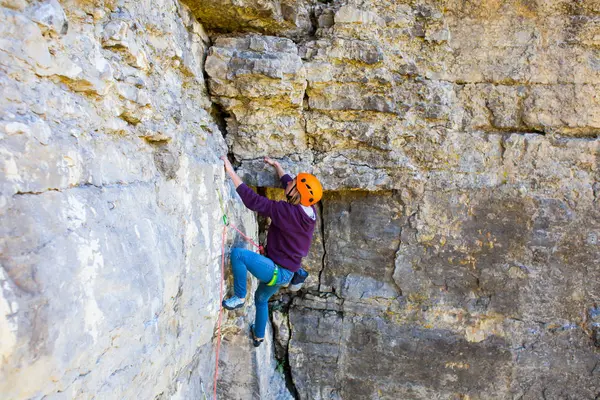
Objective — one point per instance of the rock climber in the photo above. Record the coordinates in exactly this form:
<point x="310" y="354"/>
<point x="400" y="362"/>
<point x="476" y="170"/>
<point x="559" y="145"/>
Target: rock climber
<point x="290" y="235"/>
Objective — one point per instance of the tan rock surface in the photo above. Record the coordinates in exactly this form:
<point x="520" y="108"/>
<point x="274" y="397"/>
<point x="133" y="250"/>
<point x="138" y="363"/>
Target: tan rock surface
<point x="456" y="254"/>
<point x="110" y="233"/>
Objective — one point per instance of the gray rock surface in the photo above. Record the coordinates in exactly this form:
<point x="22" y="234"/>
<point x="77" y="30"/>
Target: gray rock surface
<point x="282" y="17"/>
<point x="459" y="147"/>
<point x="456" y="252"/>
<point x="110" y="233"/>
<point x="252" y="75"/>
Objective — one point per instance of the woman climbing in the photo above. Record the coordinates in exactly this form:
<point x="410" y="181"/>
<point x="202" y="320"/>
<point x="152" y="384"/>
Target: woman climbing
<point x="289" y="239"/>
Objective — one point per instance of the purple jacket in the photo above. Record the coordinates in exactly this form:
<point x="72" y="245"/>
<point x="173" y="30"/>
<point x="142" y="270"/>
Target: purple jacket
<point x="291" y="230"/>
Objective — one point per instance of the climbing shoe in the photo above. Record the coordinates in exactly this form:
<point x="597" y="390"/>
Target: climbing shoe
<point x="256" y="341"/>
<point x="298" y="280"/>
<point x="233" y="302"/>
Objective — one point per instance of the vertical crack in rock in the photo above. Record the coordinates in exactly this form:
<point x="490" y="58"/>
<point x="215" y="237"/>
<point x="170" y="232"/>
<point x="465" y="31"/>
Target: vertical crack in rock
<point x="262" y="222"/>
<point x="394" y="281"/>
<point x="502" y="149"/>
<point x="281" y="340"/>
<point x="289" y="377"/>
<point x="219" y="114"/>
<point x="303" y="119"/>
<point x="321" y="212"/>
<point x="340" y="344"/>
<point x="305" y="106"/>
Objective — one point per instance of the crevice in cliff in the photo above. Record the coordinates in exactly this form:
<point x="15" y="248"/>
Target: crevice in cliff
<point x="527" y="130"/>
<point x="502" y="149"/>
<point x="220" y="115"/>
<point x="262" y="222"/>
<point x="282" y="350"/>
<point x="40" y="192"/>
<point x="216" y="111"/>
<point x="322" y="228"/>
<point x="393" y="279"/>
<point x="350" y="144"/>
<point x="305" y="105"/>
<point x="314" y="25"/>
<point x="82" y="186"/>
<point x="349" y="161"/>
<point x="289" y="377"/>
<point x="503" y="82"/>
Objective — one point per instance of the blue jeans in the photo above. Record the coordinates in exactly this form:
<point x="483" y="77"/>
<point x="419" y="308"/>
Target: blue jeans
<point x="262" y="268"/>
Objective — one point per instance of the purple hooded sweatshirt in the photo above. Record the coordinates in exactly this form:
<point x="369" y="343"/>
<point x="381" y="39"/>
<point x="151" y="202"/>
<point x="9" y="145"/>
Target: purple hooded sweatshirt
<point x="291" y="230"/>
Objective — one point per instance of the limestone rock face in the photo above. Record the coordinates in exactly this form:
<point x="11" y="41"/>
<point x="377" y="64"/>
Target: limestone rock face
<point x="384" y="81"/>
<point x="457" y="255"/>
<point x="280" y="17"/>
<point x="252" y="75"/>
<point x="110" y="210"/>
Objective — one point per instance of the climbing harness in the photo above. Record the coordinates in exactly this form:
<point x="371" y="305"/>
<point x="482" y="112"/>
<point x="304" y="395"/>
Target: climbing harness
<point x="273" y="280"/>
<point x="261" y="250"/>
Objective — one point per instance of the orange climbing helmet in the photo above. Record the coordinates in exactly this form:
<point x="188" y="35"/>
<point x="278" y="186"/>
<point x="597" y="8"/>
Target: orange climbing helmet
<point x="310" y="189"/>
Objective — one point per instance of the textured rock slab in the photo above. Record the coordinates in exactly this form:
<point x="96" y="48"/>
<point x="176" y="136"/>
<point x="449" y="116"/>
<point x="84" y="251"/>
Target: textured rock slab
<point x="480" y="120"/>
<point x="361" y="236"/>
<point x="476" y="273"/>
<point x="391" y="79"/>
<point x="248" y="372"/>
<point x="359" y="361"/>
<point x="110" y="187"/>
<point x="260" y="82"/>
<point x="314" y="353"/>
<point x="276" y="17"/>
<point x="118" y="316"/>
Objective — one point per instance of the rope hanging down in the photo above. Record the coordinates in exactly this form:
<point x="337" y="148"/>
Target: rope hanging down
<point x="226" y="222"/>
<point x="261" y="250"/>
<point x="223" y="237"/>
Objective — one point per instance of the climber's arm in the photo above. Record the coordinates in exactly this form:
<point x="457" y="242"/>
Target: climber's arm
<point x="284" y="178"/>
<point x="276" y="165"/>
<point x="237" y="181"/>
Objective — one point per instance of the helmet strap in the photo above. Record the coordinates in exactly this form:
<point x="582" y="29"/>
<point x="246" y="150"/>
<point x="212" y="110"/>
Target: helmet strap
<point x="288" y="195"/>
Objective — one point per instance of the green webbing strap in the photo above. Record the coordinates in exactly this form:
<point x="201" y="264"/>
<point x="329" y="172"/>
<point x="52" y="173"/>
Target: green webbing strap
<point x="274" y="279"/>
<point x="225" y="221"/>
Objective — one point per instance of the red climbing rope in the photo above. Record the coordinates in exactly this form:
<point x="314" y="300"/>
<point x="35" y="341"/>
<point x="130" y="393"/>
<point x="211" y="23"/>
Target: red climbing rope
<point x="260" y="248"/>
<point x="223" y="237"/>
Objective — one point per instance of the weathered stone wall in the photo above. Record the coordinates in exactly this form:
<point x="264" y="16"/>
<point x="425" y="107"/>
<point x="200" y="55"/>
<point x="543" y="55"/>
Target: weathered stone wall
<point x="110" y="233"/>
<point x="458" y="250"/>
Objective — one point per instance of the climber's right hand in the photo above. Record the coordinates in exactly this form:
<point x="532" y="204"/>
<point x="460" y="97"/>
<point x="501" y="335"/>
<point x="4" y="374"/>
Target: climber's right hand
<point x="228" y="166"/>
<point x="271" y="162"/>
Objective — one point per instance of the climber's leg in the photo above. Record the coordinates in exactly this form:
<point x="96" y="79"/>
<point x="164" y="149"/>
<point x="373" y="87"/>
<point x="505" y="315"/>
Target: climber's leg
<point x="242" y="261"/>
<point x="261" y="302"/>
